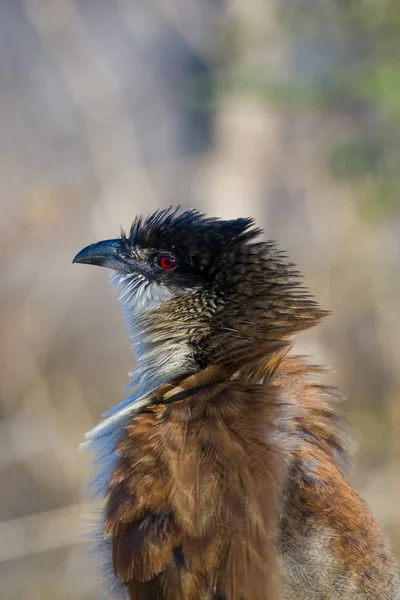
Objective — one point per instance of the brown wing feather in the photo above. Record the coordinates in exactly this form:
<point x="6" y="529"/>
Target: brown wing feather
<point x="193" y="499"/>
<point x="216" y="479"/>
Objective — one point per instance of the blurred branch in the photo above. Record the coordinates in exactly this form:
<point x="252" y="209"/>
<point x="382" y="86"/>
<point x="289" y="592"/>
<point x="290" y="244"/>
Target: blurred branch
<point x="47" y="429"/>
<point x="42" y="532"/>
<point x="200" y="24"/>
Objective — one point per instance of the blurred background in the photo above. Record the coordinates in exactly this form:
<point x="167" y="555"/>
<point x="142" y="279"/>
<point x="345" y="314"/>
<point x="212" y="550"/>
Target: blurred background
<point x="285" y="110"/>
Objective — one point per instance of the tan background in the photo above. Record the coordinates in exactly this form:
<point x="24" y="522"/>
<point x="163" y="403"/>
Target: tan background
<point x="109" y="108"/>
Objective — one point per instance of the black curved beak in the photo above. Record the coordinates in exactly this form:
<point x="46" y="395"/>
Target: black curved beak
<point x="108" y="253"/>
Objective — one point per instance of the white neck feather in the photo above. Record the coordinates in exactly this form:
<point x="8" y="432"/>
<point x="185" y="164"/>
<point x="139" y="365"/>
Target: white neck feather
<point x="157" y="363"/>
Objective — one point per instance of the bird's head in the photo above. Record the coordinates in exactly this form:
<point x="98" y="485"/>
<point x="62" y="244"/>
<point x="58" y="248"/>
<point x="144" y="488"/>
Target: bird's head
<point x="204" y="284"/>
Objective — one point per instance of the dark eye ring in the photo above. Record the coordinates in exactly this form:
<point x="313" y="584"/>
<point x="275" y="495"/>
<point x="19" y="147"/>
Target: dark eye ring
<point x="166" y="262"/>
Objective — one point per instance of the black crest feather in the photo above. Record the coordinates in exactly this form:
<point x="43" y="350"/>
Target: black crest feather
<point x="190" y="232"/>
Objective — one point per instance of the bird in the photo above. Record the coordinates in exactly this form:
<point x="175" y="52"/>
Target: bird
<point x="225" y="472"/>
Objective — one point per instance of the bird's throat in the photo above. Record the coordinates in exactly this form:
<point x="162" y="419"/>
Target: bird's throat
<point x="160" y="357"/>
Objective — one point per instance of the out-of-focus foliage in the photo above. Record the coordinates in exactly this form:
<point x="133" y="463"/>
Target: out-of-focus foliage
<point x="343" y="59"/>
<point x="355" y="73"/>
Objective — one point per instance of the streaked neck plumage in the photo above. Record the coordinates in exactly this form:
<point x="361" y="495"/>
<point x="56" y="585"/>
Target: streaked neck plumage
<point x="159" y="357"/>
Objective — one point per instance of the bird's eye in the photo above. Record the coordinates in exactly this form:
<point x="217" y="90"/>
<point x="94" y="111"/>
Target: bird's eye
<point x="166" y="262"/>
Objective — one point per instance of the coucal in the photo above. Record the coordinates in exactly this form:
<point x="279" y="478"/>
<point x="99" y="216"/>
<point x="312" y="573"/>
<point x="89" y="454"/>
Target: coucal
<point x="224" y="471"/>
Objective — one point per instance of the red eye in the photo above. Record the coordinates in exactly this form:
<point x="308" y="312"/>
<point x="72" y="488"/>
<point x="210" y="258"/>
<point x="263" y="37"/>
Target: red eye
<point x="166" y="262"/>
